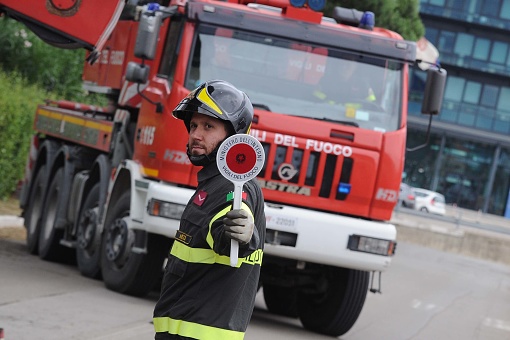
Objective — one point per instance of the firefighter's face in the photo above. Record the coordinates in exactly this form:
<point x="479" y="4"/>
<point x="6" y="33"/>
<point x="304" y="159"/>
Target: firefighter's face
<point x="205" y="133"/>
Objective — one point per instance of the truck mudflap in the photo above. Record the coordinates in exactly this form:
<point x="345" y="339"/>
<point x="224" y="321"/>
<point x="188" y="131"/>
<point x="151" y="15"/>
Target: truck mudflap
<point x="67" y="24"/>
<point x="330" y="239"/>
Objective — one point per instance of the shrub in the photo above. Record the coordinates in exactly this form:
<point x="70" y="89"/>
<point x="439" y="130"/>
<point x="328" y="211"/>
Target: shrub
<point x="18" y="101"/>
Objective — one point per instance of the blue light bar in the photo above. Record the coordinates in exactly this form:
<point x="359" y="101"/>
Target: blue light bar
<point x="297" y="3"/>
<point x="367" y="21"/>
<point x="316" y="5"/>
<point x="153" y="6"/>
<point x="344" y="188"/>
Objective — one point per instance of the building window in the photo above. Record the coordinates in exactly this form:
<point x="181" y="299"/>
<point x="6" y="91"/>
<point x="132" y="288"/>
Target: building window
<point x="472" y="93"/>
<point x="485" y="119"/>
<point x="464" y="172"/>
<point x="499" y="202"/>
<point x="464" y="44"/>
<point x="505" y="10"/>
<point x="454" y="88"/>
<point x="437" y="2"/>
<point x="489" y="96"/>
<point x="456" y="4"/>
<point x="490" y="7"/>
<point x="504" y="99"/>
<point x="482" y="47"/>
<point x="431" y="35"/>
<point x="446" y="41"/>
<point x="499" y="51"/>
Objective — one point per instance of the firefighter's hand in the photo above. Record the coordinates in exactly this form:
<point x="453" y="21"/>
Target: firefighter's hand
<point x="238" y="225"/>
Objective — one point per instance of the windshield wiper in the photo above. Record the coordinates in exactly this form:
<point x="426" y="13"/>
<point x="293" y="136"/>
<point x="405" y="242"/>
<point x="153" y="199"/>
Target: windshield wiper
<point x="261" y="106"/>
<point x="344" y="122"/>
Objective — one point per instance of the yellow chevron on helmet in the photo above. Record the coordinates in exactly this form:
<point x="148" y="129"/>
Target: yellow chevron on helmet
<point x="204" y="97"/>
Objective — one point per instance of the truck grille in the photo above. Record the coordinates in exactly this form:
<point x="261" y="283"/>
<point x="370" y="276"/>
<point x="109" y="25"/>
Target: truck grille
<point x="329" y="174"/>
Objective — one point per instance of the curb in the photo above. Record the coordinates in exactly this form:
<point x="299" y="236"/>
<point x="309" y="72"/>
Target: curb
<point x="11" y="221"/>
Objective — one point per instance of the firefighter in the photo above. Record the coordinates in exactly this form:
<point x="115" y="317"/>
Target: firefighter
<point x="344" y="83"/>
<point x="202" y="296"/>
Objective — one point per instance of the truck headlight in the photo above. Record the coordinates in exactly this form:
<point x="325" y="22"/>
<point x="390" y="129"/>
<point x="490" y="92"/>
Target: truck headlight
<point x="371" y="245"/>
<point x="165" y="209"/>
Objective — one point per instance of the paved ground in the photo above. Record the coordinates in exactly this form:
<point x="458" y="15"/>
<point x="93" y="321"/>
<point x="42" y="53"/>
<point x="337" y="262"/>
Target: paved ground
<point x="460" y="231"/>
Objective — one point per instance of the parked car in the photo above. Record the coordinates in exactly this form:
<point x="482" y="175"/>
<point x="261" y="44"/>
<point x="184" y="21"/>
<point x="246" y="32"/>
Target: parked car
<point x="429" y="201"/>
<point x="406" y="197"/>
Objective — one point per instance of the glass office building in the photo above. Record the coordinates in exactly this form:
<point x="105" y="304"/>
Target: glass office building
<point x="468" y="155"/>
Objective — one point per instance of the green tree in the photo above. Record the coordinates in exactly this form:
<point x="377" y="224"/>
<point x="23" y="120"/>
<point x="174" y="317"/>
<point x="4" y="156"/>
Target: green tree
<point x="401" y="16"/>
<point x="56" y="70"/>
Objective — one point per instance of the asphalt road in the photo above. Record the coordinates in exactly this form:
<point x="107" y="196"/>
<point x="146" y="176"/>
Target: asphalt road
<point x="427" y="294"/>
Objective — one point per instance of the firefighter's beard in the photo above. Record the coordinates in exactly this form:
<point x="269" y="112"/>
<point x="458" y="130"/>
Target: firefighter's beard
<point x="202" y="160"/>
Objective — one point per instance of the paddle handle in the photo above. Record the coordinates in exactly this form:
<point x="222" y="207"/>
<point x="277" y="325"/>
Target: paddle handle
<point x="234" y="245"/>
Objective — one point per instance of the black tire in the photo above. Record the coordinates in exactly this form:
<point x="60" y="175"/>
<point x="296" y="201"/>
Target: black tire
<point x="34" y="211"/>
<point x="281" y="300"/>
<point x="88" y="240"/>
<point x="424" y="209"/>
<point x="335" y="309"/>
<point x="124" y="271"/>
<point x="49" y="236"/>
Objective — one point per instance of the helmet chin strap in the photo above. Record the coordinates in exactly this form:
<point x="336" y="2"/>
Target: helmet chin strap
<point x="203" y="160"/>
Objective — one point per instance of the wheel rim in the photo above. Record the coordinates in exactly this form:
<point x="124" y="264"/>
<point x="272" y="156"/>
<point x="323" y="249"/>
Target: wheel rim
<point x="118" y="241"/>
<point x="87" y="229"/>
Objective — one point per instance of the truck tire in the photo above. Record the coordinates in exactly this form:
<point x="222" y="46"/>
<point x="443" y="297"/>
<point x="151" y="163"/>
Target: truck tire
<point x="280" y="300"/>
<point x="49" y="236"/>
<point x="88" y="242"/>
<point x="34" y="211"/>
<point x="335" y="309"/>
<point x="124" y="271"/>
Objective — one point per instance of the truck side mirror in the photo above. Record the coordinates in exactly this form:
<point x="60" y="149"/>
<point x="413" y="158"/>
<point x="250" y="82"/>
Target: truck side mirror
<point x="148" y="33"/>
<point x="434" y="91"/>
<point x="137" y="73"/>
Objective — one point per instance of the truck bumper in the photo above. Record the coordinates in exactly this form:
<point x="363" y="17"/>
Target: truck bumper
<point x="292" y="233"/>
<point x="319" y="237"/>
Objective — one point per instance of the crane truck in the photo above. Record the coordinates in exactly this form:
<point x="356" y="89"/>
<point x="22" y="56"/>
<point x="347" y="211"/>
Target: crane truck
<point x="108" y="185"/>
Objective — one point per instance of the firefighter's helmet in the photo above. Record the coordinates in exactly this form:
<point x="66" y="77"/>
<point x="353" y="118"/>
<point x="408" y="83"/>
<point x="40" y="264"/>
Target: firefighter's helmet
<point x="218" y="99"/>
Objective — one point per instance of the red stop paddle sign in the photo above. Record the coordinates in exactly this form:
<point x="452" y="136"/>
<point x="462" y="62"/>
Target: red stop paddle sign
<point x="240" y="158"/>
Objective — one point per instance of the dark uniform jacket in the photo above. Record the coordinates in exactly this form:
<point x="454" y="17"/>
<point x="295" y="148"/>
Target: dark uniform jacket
<point x="202" y="296"/>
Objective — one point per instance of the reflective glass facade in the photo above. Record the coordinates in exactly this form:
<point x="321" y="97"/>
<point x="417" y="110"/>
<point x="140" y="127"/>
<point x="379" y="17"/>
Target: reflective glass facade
<point x="468" y="156"/>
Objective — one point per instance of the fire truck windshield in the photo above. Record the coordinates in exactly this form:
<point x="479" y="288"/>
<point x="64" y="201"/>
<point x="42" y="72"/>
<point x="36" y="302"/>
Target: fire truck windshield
<point x="289" y="77"/>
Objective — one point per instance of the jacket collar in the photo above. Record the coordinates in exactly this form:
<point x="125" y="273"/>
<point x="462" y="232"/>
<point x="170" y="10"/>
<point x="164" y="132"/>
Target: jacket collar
<point x="208" y="172"/>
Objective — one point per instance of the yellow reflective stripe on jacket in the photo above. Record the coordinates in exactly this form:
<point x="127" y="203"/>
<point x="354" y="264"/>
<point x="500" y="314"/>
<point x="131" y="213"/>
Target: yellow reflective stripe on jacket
<point x="194" y="330"/>
<point x="209" y="238"/>
<point x="208" y="256"/>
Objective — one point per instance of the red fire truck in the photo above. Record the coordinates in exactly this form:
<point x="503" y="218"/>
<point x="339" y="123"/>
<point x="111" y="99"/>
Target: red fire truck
<point x="108" y="185"/>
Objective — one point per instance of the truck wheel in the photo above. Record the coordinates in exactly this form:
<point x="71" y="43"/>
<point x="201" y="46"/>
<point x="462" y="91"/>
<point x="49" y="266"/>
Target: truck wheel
<point x="88" y="249"/>
<point x="124" y="271"/>
<point x="34" y="211"/>
<point x="280" y="300"/>
<point x="335" y="309"/>
<point x="49" y="236"/>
